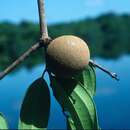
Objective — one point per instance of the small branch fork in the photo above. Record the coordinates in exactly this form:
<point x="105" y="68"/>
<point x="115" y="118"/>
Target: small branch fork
<point x="44" y="40"/>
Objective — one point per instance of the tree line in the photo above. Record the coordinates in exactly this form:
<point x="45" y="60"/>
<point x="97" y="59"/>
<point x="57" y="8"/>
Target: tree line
<point x="108" y="36"/>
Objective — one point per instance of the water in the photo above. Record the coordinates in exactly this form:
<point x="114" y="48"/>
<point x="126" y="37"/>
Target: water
<point x="112" y="98"/>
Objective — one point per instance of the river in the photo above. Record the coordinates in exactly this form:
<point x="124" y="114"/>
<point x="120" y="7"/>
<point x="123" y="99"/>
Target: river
<point x="112" y="97"/>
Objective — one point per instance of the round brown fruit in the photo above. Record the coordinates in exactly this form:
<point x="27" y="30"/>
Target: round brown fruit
<point x="67" y="55"/>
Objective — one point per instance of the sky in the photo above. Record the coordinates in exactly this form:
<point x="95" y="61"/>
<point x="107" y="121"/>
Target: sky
<point x="60" y="10"/>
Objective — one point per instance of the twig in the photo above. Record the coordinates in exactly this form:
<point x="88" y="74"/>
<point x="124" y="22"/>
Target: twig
<point x="42" y="21"/>
<point x="20" y="59"/>
<point x="44" y="40"/>
<point x="44" y="72"/>
<point x="113" y="75"/>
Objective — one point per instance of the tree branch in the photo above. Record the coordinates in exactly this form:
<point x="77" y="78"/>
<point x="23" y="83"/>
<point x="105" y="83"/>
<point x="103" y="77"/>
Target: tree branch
<point x="20" y="59"/>
<point x="113" y="75"/>
<point x="42" y="21"/>
<point x="44" y="40"/>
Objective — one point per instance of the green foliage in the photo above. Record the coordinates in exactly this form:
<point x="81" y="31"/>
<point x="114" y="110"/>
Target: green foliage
<point x="35" y="109"/>
<point x="88" y="79"/>
<point x="84" y="108"/>
<point x="76" y="97"/>
<point x="15" y="39"/>
<point x="110" y="32"/>
<point x="3" y="123"/>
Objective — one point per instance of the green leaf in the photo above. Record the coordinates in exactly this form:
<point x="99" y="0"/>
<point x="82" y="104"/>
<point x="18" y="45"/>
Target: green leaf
<point x="3" y="122"/>
<point x="35" y="108"/>
<point x="88" y="79"/>
<point x="85" y="108"/>
<point x="63" y="98"/>
<point x="78" y="102"/>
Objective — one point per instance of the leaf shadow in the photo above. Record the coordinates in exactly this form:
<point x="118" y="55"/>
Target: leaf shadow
<point x="36" y="105"/>
<point x="68" y="85"/>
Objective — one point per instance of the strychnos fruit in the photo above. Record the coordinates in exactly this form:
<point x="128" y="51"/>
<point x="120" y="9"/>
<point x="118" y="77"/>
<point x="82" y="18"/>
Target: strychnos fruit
<point x="67" y="55"/>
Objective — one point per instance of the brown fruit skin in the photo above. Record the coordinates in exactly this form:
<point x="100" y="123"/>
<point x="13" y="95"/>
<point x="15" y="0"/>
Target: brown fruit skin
<point x="67" y="55"/>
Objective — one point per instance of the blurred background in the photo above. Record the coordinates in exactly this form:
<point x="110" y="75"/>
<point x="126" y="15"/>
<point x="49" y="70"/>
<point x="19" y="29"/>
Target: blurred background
<point x="103" y="24"/>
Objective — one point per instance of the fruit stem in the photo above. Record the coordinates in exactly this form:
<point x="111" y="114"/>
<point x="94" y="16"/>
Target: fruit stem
<point x="113" y="75"/>
<point x="44" y="72"/>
